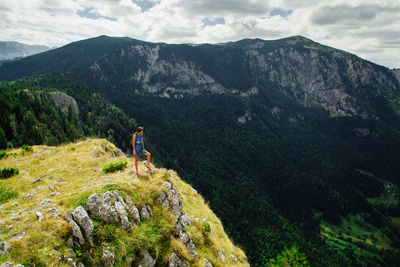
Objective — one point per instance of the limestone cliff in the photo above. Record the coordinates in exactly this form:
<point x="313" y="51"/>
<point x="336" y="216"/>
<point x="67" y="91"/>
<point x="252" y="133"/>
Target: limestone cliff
<point x="69" y="212"/>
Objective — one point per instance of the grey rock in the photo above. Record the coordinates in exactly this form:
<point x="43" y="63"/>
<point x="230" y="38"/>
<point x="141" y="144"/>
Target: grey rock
<point x="102" y="208"/>
<point x="71" y="262"/>
<point x="19" y="235"/>
<point x="51" y="188"/>
<point x="207" y="263"/>
<point x="65" y="101"/>
<point x="81" y="217"/>
<point x="76" y="231"/>
<point x="53" y="212"/>
<point x="149" y="210"/>
<point x="4" y="247"/>
<point x="7" y="264"/>
<point x="45" y="203"/>
<point x="37" y="180"/>
<point x="136" y="214"/>
<point x="108" y="257"/>
<point x="27" y="196"/>
<point x="234" y="258"/>
<point x="52" y="194"/>
<point x="123" y="215"/>
<point x="184" y="237"/>
<point x="221" y="256"/>
<point x="185" y="220"/>
<point x="145" y="259"/>
<point x="175" y="261"/>
<point x="144" y="214"/>
<point x="80" y="264"/>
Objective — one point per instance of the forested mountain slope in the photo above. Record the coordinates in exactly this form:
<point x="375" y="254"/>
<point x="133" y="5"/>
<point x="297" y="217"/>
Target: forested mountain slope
<point x="290" y="141"/>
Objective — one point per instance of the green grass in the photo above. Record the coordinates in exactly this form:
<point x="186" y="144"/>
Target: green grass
<point x="6" y="193"/>
<point x="115" y="166"/>
<point x="7" y="172"/>
<point x="151" y="234"/>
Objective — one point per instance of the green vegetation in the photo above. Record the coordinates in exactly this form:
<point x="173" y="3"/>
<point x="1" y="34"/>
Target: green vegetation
<point x="30" y="115"/>
<point x="114" y="166"/>
<point x="6" y="193"/>
<point x="46" y="241"/>
<point x="7" y="172"/>
<point x="3" y="154"/>
<point x="290" y="257"/>
<point x="273" y="180"/>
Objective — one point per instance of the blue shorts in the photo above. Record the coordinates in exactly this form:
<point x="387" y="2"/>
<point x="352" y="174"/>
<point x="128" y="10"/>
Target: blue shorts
<point x="139" y="153"/>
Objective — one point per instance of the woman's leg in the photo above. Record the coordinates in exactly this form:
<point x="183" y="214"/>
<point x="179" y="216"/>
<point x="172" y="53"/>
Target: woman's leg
<point x="148" y="157"/>
<point x="136" y="161"/>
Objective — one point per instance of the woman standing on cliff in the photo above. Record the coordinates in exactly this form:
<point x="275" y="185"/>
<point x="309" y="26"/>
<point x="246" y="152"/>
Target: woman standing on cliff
<point x="138" y="148"/>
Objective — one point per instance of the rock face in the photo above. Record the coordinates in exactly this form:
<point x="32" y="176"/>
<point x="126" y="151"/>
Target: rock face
<point x="65" y="101"/>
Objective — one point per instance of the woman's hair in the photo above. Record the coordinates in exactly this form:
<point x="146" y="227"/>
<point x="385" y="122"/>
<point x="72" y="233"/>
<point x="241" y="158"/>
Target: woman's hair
<point x="139" y="129"/>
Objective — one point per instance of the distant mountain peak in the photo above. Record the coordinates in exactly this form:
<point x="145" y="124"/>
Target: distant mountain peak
<point x="13" y="49"/>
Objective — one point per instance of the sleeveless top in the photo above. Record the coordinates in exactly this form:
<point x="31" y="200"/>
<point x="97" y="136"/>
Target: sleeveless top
<point x="139" y="143"/>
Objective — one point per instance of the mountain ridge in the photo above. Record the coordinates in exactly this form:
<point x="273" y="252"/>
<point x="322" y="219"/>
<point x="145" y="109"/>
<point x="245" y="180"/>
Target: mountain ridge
<point x="11" y="50"/>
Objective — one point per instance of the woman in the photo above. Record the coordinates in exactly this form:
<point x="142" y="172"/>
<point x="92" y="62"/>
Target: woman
<point x="138" y="148"/>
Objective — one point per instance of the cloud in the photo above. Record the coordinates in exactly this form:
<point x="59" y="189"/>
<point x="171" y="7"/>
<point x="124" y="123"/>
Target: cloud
<point x="368" y="28"/>
<point x="328" y="15"/>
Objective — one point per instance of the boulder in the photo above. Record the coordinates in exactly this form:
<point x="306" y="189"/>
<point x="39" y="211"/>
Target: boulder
<point x="111" y="208"/>
<point x="81" y="217"/>
<point x="176" y="261"/>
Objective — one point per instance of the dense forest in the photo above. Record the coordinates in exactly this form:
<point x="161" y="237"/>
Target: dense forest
<point x="272" y="181"/>
<point x="29" y="114"/>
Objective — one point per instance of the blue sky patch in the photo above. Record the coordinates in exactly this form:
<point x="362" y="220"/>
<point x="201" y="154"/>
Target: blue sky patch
<point x="145" y="5"/>
<point x="280" y="12"/>
<point x="91" y="13"/>
<point x="213" y="21"/>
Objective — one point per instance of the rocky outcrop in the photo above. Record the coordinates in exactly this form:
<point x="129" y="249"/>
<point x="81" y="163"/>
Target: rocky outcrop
<point x="65" y="101"/>
<point x="171" y="200"/>
<point x="112" y="208"/>
<point x="109" y="207"/>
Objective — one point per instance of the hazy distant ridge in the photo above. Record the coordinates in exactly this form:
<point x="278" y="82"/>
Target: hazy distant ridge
<point x="10" y="49"/>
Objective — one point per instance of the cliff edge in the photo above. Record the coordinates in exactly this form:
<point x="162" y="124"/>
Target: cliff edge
<point x="64" y="208"/>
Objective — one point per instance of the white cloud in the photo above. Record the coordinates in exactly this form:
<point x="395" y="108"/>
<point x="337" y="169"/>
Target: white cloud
<point x="368" y="28"/>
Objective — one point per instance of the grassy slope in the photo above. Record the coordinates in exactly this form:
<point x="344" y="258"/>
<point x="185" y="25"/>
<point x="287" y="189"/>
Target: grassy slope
<point x="75" y="165"/>
<point x="354" y="230"/>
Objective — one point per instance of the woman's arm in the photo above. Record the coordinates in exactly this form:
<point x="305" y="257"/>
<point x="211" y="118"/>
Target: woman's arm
<point x="143" y="146"/>
<point x="133" y="143"/>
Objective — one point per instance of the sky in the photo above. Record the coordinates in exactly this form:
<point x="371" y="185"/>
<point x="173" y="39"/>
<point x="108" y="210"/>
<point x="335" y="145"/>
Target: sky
<point x="369" y="29"/>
